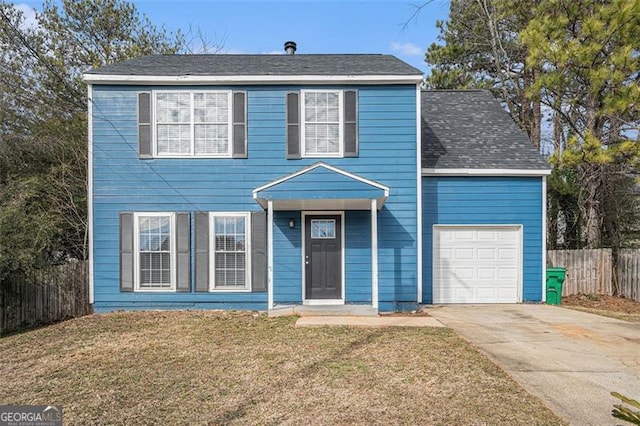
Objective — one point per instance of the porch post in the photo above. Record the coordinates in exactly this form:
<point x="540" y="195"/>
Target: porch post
<point x="374" y="253"/>
<point x="270" y="254"/>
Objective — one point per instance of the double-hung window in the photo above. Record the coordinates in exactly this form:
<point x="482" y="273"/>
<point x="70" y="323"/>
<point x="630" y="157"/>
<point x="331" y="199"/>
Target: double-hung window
<point x="322" y="123"/>
<point x="230" y="251"/>
<point x="195" y="123"/>
<point x="155" y="251"/>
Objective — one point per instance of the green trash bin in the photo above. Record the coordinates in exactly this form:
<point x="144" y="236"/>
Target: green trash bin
<point x="555" y="278"/>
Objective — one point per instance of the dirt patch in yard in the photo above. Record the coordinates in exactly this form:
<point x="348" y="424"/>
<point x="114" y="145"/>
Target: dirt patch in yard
<point x="616" y="307"/>
<point x="203" y="367"/>
<point x="416" y="313"/>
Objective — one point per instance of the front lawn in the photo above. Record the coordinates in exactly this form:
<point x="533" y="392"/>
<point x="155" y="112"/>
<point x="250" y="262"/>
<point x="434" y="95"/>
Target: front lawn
<point x="199" y="367"/>
<point x="609" y="306"/>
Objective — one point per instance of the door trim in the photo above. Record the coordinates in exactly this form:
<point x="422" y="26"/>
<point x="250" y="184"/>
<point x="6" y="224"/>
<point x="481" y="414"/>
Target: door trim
<point x="303" y="221"/>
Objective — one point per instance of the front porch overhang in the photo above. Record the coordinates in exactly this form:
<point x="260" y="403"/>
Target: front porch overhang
<point x="321" y="186"/>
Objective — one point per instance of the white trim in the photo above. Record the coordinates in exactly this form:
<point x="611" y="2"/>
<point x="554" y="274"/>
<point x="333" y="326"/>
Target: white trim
<point x="304" y="214"/>
<point x="136" y="251"/>
<point x="326" y="166"/>
<point x="519" y="227"/>
<point x="374" y="254"/>
<point x="238" y="79"/>
<point x="484" y="172"/>
<point x="90" y="191"/>
<point x="419" y="189"/>
<point x="303" y="122"/>
<point x="192" y="124"/>
<point x="333" y="221"/>
<point x="323" y="302"/>
<point x="544" y="238"/>
<point x="270" y="255"/>
<point x="212" y="252"/>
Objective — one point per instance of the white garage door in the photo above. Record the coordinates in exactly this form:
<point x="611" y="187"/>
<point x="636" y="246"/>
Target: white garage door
<point x="476" y="264"/>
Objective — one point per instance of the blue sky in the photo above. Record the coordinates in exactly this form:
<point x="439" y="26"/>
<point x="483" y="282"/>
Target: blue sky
<point x="316" y="26"/>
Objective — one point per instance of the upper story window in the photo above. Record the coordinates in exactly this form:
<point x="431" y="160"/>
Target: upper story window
<point x="193" y="124"/>
<point x="322" y="123"/>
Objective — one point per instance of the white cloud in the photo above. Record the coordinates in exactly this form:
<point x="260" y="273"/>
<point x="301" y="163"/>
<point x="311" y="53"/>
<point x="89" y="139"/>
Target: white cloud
<point x="407" y="49"/>
<point x="29" y="15"/>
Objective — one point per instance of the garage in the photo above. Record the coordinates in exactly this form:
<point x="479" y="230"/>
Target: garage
<point x="477" y="264"/>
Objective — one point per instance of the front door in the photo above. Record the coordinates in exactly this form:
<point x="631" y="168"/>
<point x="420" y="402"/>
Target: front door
<point x="323" y="257"/>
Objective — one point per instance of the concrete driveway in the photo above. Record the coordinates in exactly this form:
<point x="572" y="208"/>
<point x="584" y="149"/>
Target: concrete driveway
<point x="571" y="360"/>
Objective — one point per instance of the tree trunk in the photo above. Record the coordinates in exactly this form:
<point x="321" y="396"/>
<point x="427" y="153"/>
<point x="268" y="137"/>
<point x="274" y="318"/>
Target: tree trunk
<point x="535" y="124"/>
<point x="558" y="145"/>
<point x="593" y="219"/>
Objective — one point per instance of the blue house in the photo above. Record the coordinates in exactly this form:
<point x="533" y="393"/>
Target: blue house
<point x="278" y="181"/>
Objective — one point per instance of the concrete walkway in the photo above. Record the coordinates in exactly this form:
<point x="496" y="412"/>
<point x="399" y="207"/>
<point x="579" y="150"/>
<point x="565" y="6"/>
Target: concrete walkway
<point x="363" y="321"/>
<point x="571" y="360"/>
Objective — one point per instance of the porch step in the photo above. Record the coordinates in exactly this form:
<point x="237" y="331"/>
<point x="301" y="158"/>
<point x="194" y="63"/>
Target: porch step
<point x="323" y="311"/>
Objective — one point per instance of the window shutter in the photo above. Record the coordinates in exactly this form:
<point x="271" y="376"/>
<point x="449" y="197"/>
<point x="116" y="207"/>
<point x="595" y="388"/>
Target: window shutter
<point x="239" y="125"/>
<point x="293" y="125"/>
<point x="259" y="251"/>
<point x="126" y="252"/>
<point x="144" y="125"/>
<point x="202" y="251"/>
<point x="183" y="257"/>
<point x="350" y="123"/>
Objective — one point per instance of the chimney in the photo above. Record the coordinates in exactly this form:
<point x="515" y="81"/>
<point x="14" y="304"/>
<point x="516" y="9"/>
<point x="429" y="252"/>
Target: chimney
<point x="290" y="47"/>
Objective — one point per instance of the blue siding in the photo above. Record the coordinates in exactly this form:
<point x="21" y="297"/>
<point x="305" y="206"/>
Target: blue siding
<point x="287" y="271"/>
<point x="321" y="183"/>
<point x="486" y="200"/>
<point x="287" y="260"/>
<point x="358" y="252"/>
<point x="122" y="182"/>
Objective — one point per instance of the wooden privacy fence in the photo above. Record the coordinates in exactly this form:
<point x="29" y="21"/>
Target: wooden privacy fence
<point x="591" y="271"/>
<point x="44" y="296"/>
<point x="629" y="274"/>
<point x="588" y="271"/>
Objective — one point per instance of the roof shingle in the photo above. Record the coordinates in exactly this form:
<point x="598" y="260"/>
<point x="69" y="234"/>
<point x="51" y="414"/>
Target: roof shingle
<point x="469" y="129"/>
<point x="255" y="65"/>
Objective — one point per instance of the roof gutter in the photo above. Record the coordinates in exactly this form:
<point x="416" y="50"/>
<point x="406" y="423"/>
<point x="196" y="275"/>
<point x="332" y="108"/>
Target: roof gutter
<point x="486" y="172"/>
<point x="244" y="79"/>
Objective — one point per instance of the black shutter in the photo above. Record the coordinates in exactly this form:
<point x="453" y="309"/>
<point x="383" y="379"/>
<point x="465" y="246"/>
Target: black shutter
<point x="293" y="125"/>
<point x="145" y="150"/>
<point x="239" y="125"/>
<point x="126" y="252"/>
<point x="183" y="257"/>
<point x="259" y="251"/>
<point x="350" y="123"/>
<point x="202" y="251"/>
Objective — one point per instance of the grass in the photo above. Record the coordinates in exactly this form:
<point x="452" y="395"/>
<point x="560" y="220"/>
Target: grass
<point x="608" y="306"/>
<point x="607" y="313"/>
<point x="199" y="367"/>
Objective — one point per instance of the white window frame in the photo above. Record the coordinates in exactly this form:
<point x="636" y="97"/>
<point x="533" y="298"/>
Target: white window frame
<point x="212" y="252"/>
<point x="192" y="154"/>
<point x="136" y="250"/>
<point x="332" y="221"/>
<point x="303" y="150"/>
